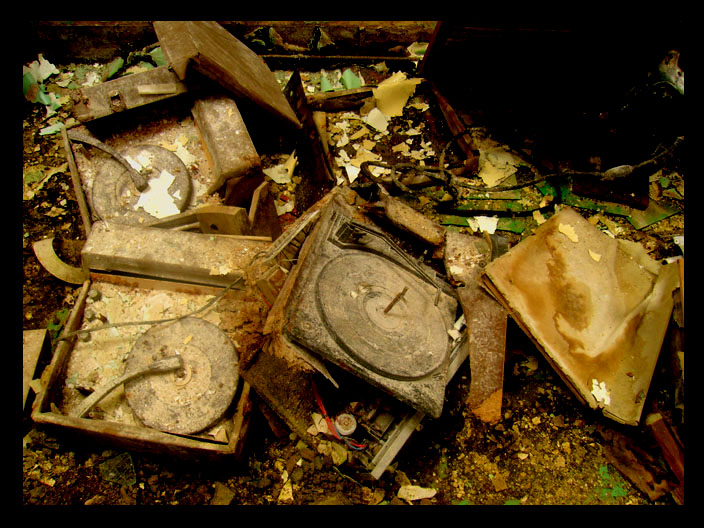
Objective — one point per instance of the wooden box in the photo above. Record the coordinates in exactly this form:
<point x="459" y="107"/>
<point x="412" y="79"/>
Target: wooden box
<point x="121" y="295"/>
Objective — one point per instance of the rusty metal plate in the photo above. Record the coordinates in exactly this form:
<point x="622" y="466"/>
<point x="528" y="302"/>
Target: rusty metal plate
<point x="210" y="49"/>
<point x="597" y="307"/>
<point x="190" y="399"/>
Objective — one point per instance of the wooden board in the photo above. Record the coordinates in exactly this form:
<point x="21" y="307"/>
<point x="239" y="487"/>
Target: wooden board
<point x="210" y="49"/>
<point x="168" y="254"/>
<point x="123" y="93"/>
<point x="34" y="342"/>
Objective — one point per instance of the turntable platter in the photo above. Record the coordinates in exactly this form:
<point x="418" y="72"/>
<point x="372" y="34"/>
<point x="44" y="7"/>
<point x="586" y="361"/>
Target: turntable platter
<point x="382" y="315"/>
<point x="190" y="399"/>
<point x="114" y="195"/>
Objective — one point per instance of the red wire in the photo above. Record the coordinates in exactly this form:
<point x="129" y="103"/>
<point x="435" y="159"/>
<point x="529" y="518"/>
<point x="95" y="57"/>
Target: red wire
<point x="331" y="426"/>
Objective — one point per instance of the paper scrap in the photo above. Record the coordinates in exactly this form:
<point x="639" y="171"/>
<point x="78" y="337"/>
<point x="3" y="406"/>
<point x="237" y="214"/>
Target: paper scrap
<point x="185" y="156"/>
<point x="595" y="256"/>
<point x="496" y="164"/>
<point x="377" y="120"/>
<point x="361" y="132"/>
<point x="156" y="199"/>
<point x="392" y="94"/>
<point x="52" y="129"/>
<point x="411" y="492"/>
<point x="568" y="231"/>
<point x="539" y="218"/>
<point x="484" y="224"/>
<point x="352" y="172"/>
<point x="284" y="207"/>
<point x="600" y="392"/>
<point x="343" y="140"/>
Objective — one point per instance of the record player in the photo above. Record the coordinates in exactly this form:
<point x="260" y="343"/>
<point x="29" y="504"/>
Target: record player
<point x="365" y="305"/>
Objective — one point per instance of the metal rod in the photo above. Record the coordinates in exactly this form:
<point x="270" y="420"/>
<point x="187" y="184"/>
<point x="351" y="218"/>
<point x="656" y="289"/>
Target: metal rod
<point x="396" y="299"/>
<point x="77" y="186"/>
<point x="139" y="181"/>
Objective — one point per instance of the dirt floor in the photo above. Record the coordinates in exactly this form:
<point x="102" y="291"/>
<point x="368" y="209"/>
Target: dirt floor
<point x="547" y="449"/>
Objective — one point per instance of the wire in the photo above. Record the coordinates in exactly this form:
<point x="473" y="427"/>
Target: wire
<point x="154" y="321"/>
<point x="331" y="425"/>
<point x="448" y="180"/>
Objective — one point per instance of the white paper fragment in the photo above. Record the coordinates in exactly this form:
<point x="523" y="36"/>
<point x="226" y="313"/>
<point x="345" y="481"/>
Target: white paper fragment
<point x="600" y="392"/>
<point x="496" y="164"/>
<point x="352" y="172"/>
<point x="284" y="207"/>
<point x="156" y="199"/>
<point x="185" y="156"/>
<point x="278" y="174"/>
<point x="344" y="140"/>
<point x="595" y="256"/>
<point x="569" y="232"/>
<point x="485" y="224"/>
<point x="539" y="218"/>
<point x="412" y="493"/>
<point x="41" y="69"/>
<point x="377" y="120"/>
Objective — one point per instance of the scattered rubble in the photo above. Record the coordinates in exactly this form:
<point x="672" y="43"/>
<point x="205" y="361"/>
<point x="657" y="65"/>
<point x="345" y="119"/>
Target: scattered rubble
<point x="389" y="278"/>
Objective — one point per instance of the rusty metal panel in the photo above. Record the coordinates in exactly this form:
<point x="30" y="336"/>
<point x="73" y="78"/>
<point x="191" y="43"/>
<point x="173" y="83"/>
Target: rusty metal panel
<point x="597" y="307"/>
<point x="126" y="92"/>
<point x="210" y="49"/>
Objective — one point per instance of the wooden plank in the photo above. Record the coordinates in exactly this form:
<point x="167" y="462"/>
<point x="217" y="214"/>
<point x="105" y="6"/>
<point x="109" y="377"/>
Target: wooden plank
<point x="123" y="93"/>
<point x="168" y="254"/>
<point x="263" y="219"/>
<point x="34" y="343"/>
<point x="213" y="51"/>
<point x="228" y="147"/>
<point x="223" y="220"/>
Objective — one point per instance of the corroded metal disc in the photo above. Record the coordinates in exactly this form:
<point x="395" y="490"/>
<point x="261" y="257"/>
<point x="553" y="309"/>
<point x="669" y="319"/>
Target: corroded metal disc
<point x="114" y="195"/>
<point x="409" y="341"/>
<point x="191" y="399"/>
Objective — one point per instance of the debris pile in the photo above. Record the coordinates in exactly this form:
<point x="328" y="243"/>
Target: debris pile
<point x="338" y="284"/>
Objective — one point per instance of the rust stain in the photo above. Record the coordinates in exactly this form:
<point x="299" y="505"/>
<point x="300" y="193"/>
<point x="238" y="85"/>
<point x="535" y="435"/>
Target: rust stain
<point x="573" y="300"/>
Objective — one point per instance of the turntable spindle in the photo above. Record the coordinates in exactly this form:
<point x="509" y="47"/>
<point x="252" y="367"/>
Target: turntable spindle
<point x="396" y="299"/>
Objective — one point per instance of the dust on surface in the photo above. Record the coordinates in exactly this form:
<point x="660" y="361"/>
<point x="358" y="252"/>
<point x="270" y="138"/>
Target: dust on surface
<point x="547" y="449"/>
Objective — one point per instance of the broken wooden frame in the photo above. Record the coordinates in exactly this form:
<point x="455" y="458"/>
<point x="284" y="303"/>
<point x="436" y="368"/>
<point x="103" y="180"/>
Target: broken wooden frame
<point x="139" y="438"/>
